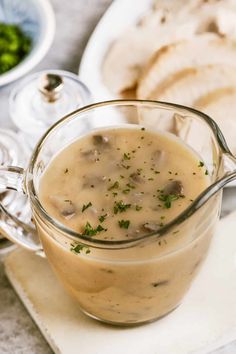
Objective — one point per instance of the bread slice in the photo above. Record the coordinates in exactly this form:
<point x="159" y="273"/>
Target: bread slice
<point x="220" y="105"/>
<point x="188" y="85"/>
<point x="175" y="60"/>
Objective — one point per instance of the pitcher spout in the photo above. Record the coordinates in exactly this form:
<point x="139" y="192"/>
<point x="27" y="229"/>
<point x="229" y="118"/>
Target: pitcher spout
<point x="226" y="174"/>
<point x="228" y="165"/>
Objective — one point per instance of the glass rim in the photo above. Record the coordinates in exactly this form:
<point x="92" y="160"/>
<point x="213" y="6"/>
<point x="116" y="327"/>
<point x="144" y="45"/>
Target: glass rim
<point x="117" y="244"/>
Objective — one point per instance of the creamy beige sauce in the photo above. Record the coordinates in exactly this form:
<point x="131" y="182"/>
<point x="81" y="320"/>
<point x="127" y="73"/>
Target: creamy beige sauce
<point x="123" y="182"/>
<point x="120" y="184"/>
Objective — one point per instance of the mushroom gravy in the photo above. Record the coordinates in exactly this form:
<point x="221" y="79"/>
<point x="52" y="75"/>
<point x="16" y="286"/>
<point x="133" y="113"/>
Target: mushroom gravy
<point x="118" y="184"/>
<point x="121" y="183"/>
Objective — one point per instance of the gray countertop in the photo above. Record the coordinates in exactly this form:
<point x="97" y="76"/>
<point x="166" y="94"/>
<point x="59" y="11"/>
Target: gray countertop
<point x="75" y="20"/>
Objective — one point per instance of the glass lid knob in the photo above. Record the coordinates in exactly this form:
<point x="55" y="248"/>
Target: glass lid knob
<point x="41" y="99"/>
<point x="51" y="86"/>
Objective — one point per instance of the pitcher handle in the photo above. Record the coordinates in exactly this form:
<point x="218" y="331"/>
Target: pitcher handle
<point x="12" y="177"/>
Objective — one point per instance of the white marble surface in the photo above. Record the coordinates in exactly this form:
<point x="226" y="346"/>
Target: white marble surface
<point x="75" y="22"/>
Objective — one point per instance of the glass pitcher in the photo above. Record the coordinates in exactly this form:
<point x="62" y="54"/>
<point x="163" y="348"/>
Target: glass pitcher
<point x="131" y="281"/>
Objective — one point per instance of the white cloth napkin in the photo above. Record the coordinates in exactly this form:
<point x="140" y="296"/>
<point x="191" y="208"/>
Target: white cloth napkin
<point x="205" y="320"/>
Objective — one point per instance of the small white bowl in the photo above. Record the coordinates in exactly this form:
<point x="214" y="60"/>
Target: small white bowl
<point x="37" y="19"/>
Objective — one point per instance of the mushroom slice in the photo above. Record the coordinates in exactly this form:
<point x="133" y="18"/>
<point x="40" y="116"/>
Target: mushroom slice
<point x="92" y="180"/>
<point x="158" y="157"/>
<point x="174" y="188"/>
<point x="64" y="206"/>
<point x="137" y="197"/>
<point x="101" y="141"/>
<point x="91" y="155"/>
<point x="151" y="226"/>
<point x="93" y="211"/>
<point x="136" y="178"/>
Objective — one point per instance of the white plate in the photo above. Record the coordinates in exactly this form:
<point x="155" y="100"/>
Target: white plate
<point x="120" y="15"/>
<point x="107" y="30"/>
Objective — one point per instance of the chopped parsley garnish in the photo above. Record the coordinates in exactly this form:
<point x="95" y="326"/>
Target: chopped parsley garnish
<point x="68" y="201"/>
<point x="168" y="199"/>
<point x="120" y="207"/>
<point x="129" y="185"/>
<point x="124" y="224"/>
<point x="125" y="166"/>
<point x="138" y="207"/>
<point x="206" y="172"/>
<point x="79" y="247"/>
<point x="90" y="231"/>
<point x="102" y="217"/>
<point x="126" y="156"/>
<point x="201" y="164"/>
<point x="15" y="45"/>
<point x="114" y="186"/>
<point x="86" y="206"/>
<point x="126" y="191"/>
